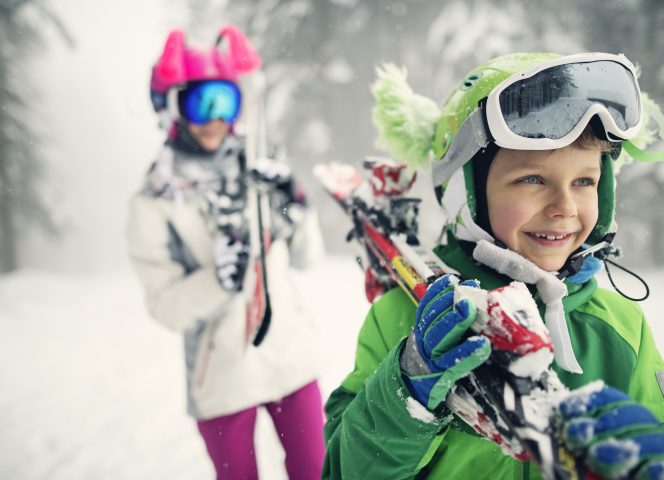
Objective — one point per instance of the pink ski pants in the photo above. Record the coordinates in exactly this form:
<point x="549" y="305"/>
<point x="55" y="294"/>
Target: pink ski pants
<point x="298" y="420"/>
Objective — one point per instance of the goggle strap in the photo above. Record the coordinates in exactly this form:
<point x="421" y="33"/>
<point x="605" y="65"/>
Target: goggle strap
<point x="172" y="103"/>
<point x="470" y="139"/>
<point x="641" y="155"/>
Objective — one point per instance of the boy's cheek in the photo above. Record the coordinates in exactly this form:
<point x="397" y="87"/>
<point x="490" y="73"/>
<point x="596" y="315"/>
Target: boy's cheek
<point x="589" y="220"/>
<point x="505" y="226"/>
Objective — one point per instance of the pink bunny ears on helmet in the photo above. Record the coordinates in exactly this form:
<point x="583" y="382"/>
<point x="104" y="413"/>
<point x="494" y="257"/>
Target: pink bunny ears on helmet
<point x="180" y="64"/>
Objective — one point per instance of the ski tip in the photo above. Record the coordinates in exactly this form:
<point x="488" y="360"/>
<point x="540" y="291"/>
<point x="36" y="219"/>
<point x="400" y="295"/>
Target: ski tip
<point x="338" y="178"/>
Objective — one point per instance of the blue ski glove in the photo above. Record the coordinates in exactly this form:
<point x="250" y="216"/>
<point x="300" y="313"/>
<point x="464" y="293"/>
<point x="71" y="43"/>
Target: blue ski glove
<point x="437" y="354"/>
<point x="618" y="437"/>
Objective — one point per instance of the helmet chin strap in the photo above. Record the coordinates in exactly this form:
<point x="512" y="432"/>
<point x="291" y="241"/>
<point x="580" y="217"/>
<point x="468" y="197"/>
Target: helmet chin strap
<point x="601" y="251"/>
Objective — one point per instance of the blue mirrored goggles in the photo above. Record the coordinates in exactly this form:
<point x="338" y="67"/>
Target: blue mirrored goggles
<point x="209" y="100"/>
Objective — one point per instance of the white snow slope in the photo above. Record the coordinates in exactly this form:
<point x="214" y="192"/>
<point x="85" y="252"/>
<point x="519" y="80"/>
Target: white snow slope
<point x="94" y="389"/>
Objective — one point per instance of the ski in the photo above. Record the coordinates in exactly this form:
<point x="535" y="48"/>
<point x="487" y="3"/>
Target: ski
<point x="511" y="398"/>
<point x="257" y="295"/>
<point x="261" y="296"/>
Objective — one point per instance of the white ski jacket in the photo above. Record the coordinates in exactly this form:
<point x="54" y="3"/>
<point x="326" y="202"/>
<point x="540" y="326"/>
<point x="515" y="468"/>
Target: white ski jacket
<point x="171" y="247"/>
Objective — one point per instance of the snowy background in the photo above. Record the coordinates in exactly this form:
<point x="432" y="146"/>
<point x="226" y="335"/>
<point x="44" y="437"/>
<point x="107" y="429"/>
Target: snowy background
<point x="92" y="388"/>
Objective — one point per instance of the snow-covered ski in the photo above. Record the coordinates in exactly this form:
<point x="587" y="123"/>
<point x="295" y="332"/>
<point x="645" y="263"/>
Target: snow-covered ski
<point x="511" y="399"/>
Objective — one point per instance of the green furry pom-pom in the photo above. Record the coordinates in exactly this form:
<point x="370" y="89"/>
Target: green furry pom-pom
<point x="406" y="121"/>
<point x="651" y="132"/>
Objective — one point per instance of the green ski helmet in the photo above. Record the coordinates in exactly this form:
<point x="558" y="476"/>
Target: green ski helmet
<point x="456" y="163"/>
<point x="526" y="101"/>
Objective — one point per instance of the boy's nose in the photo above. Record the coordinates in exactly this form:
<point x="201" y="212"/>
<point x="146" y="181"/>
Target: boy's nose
<point x="561" y="204"/>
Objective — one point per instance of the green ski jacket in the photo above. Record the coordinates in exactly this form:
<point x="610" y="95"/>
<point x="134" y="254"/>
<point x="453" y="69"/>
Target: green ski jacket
<point x="371" y="434"/>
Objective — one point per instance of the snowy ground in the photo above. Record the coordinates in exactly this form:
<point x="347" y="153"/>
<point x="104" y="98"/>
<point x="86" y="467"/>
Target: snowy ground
<point x="93" y="389"/>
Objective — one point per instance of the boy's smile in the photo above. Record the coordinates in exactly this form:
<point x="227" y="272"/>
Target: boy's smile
<point x="543" y="204"/>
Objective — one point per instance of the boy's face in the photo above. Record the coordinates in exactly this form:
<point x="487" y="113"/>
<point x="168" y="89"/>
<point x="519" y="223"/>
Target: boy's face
<point x="543" y="204"/>
<point x="209" y="135"/>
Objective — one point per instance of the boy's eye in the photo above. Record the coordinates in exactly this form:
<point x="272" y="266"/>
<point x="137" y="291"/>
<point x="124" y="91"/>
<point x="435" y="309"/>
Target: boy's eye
<point x="531" y="179"/>
<point x="584" y="182"/>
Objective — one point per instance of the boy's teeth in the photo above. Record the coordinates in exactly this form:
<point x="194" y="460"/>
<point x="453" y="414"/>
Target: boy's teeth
<point x="549" y="237"/>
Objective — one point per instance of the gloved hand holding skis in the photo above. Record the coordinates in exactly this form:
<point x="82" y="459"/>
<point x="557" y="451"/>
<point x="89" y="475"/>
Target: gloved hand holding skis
<point x="225" y="217"/>
<point x="617" y="437"/>
<point x="231" y="258"/>
<point x="287" y="200"/>
<point x="270" y="173"/>
<point x="499" y="382"/>
<point x="602" y="428"/>
<point x="437" y="352"/>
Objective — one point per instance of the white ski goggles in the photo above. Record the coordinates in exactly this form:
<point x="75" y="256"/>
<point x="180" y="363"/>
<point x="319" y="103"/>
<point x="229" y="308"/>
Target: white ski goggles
<point x="548" y="107"/>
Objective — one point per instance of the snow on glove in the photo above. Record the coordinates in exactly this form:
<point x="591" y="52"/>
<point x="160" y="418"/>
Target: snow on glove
<point x="437" y="354"/>
<point x="618" y="437"/>
<point x="231" y="256"/>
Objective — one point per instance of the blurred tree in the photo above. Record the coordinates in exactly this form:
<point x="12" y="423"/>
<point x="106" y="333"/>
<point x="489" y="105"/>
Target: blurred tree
<point x="21" y="163"/>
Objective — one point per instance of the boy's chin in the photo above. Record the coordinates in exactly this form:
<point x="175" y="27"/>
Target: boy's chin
<point x="549" y="264"/>
<point x="549" y="261"/>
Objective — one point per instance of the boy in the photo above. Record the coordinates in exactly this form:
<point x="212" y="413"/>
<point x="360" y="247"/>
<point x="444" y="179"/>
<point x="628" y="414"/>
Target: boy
<point x="525" y="148"/>
<point x="189" y="241"/>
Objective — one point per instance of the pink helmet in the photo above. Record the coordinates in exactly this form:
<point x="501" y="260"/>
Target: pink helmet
<point x="179" y="64"/>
